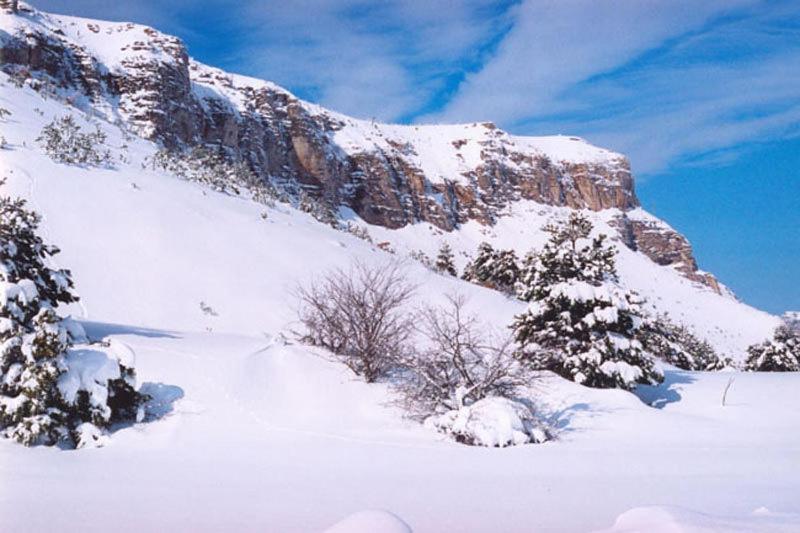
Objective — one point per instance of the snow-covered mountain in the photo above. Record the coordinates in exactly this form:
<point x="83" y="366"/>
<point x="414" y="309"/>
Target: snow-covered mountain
<point x="255" y="433"/>
<point x="415" y="186"/>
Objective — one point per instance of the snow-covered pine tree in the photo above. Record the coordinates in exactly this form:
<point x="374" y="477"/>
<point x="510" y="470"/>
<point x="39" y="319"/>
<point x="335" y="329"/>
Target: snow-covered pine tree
<point x="580" y="322"/>
<point x="779" y="354"/>
<point x="496" y="269"/>
<point x="47" y="394"/>
<point x="506" y="270"/>
<point x="676" y="345"/>
<point x="445" y="260"/>
<point x="479" y="269"/>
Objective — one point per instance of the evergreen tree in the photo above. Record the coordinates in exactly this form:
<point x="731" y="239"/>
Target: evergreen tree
<point x="35" y="358"/>
<point x="779" y="354"/>
<point x="505" y="271"/>
<point x="496" y="269"/>
<point x="580" y="322"/>
<point x="445" y="260"/>
<point x="480" y="268"/>
<point x="676" y="345"/>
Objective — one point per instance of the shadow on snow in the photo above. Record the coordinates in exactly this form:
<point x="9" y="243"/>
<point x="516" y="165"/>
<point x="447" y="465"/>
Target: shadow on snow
<point x="667" y="392"/>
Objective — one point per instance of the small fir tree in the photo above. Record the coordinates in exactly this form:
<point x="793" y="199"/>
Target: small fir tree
<point x="496" y="269"/>
<point x="65" y="142"/>
<point x="445" y="260"/>
<point x="580" y="322"/>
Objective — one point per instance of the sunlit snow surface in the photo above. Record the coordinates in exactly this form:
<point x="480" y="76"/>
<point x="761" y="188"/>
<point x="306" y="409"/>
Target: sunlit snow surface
<point x="248" y="433"/>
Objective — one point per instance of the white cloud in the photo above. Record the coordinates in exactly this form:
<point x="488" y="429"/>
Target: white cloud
<point x="658" y="80"/>
<point x="369" y="59"/>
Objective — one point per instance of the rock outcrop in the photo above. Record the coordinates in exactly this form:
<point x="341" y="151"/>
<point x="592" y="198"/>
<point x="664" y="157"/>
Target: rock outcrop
<point x="389" y="175"/>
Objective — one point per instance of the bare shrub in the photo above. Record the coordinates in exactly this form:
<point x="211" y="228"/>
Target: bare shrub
<point x="358" y="315"/>
<point x="463" y="363"/>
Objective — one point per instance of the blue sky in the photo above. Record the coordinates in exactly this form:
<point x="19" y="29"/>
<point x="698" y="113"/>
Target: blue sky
<point x="703" y="96"/>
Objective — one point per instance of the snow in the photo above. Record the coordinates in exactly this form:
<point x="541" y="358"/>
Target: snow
<point x="678" y="520"/>
<point x="490" y="422"/>
<point x="448" y="152"/>
<point x="248" y="432"/>
<point x="370" y="522"/>
<point x="88" y="370"/>
<point x="729" y="324"/>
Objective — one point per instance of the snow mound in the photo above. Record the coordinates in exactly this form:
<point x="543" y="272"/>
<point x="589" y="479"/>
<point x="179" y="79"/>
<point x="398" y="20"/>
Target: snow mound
<point x="373" y="521"/>
<point x="680" y="520"/>
<point x="491" y="422"/>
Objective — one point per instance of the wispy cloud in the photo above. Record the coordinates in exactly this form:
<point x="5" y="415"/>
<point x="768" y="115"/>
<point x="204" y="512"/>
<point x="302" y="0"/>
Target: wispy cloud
<point x="660" y="81"/>
<point x="369" y="59"/>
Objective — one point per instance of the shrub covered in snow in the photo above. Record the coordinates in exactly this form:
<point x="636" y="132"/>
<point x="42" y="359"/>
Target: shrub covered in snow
<point x="580" y="323"/>
<point x="676" y="345"/>
<point x="358" y="315"/>
<point x="779" y="354"/>
<point x="792" y="320"/>
<point x="460" y="365"/>
<point x="52" y="389"/>
<point x="496" y="269"/>
<point x="492" y="422"/>
<point x="64" y="141"/>
<point x="209" y="167"/>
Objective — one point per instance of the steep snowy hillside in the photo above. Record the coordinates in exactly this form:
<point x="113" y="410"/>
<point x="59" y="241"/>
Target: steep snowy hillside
<point x="461" y="184"/>
<point x="260" y="432"/>
<point x="248" y="430"/>
<point x="392" y="176"/>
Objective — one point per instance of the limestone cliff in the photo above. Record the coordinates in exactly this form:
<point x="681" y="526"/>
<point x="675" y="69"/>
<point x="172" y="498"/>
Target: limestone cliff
<point x="389" y="175"/>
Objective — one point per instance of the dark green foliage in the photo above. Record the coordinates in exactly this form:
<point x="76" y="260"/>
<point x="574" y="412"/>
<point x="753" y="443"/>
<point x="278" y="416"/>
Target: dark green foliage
<point x="779" y="354"/>
<point x="496" y="269"/>
<point x="676" y="345"/>
<point x="34" y="343"/>
<point x="580" y="323"/>
<point x="445" y="261"/>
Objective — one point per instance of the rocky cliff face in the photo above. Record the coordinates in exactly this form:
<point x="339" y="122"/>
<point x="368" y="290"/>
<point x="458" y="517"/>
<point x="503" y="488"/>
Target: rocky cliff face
<point x="389" y="175"/>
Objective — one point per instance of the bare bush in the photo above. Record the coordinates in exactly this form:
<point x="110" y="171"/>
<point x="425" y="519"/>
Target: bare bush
<point x="358" y="315"/>
<point x="461" y="364"/>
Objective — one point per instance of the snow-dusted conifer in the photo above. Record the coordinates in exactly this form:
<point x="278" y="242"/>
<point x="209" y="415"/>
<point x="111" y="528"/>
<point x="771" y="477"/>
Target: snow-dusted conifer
<point x="779" y="354"/>
<point x="445" y="261"/>
<point x="65" y="142"/>
<point x="581" y="323"/>
<point x="478" y="270"/>
<point x="44" y="397"/>
<point x="496" y="269"/>
<point x="676" y="345"/>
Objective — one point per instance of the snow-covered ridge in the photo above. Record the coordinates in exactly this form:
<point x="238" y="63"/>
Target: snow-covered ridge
<point x="115" y="45"/>
<point x="146" y="79"/>
<point x="392" y="185"/>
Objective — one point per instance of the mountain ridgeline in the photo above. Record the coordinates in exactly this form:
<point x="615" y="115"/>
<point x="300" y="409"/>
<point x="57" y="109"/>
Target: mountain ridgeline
<point x="389" y="175"/>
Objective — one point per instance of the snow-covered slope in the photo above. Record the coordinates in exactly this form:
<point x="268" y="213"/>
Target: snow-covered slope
<point x="256" y="434"/>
